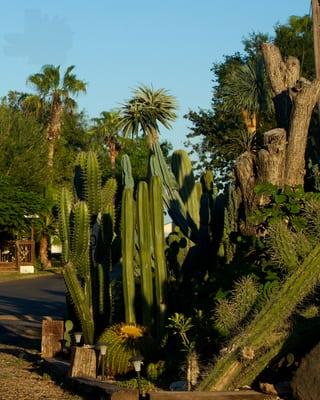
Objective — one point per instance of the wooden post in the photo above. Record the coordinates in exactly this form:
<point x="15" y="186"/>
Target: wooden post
<point x="83" y="362"/>
<point x="52" y="336"/>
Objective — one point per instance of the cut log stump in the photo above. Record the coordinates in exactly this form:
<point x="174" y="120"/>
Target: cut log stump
<point x="52" y="337"/>
<point x="83" y="362"/>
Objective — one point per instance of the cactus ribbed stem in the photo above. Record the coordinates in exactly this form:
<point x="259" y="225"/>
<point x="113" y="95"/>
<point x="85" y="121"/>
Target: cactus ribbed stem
<point x="266" y="325"/>
<point x="93" y="183"/>
<point x="127" y="243"/>
<point x="64" y="226"/>
<point x="157" y="225"/>
<point x="144" y="243"/>
<point x="182" y="169"/>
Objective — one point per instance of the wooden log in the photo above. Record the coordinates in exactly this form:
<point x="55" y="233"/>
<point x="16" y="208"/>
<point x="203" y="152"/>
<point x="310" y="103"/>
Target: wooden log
<point x="83" y="362"/>
<point x="239" y="395"/>
<point x="51" y="338"/>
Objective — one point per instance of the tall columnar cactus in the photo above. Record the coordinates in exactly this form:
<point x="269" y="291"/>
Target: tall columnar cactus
<point x="89" y="215"/>
<point x="157" y="227"/>
<point x="145" y="249"/>
<point x="127" y="244"/>
<point x="143" y="241"/>
<point x="190" y="204"/>
<point x="127" y="177"/>
<point x="189" y="192"/>
<point x="251" y="351"/>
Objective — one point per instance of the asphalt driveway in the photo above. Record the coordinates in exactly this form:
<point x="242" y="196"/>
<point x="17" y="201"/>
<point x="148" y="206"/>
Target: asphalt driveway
<point x="23" y="305"/>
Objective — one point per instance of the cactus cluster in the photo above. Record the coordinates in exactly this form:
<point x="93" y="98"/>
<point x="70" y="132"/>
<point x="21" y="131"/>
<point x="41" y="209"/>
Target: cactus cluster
<point x="143" y="250"/>
<point x="264" y="335"/>
<point x="86" y="220"/>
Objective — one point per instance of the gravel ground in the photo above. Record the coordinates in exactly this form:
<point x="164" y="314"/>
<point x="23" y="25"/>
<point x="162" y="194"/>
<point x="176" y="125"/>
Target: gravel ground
<point x="21" y="377"/>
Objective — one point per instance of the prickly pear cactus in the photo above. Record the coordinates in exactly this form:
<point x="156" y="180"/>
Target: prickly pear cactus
<point x="68" y="326"/>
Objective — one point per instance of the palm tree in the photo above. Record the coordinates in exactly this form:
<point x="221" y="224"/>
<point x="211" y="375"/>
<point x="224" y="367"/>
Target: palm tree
<point x="145" y="110"/>
<point x="55" y="90"/>
<point x="106" y="131"/>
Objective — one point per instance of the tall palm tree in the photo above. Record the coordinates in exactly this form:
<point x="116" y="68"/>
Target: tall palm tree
<point x="55" y="90"/>
<point x="106" y="130"/>
<point x="145" y="110"/>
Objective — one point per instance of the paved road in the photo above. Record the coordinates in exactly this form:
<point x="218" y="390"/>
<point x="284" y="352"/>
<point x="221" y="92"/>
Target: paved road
<point x="23" y="305"/>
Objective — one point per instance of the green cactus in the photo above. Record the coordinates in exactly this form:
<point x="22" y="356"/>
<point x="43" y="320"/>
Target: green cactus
<point x="265" y="334"/>
<point x="145" y="247"/>
<point x="86" y="229"/>
<point x="127" y="177"/>
<point x="123" y="342"/>
<point x="182" y="170"/>
<point x="68" y="326"/>
<point x="157" y="227"/>
<point x="127" y="244"/>
<point x="64" y="226"/>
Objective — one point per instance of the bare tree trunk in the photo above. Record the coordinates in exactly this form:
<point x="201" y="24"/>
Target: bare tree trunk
<point x="294" y="100"/>
<point x="303" y="104"/>
<point x="54" y="129"/>
<point x="43" y="251"/>
<point x="281" y="160"/>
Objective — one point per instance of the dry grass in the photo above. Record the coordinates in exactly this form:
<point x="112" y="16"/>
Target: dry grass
<point x="21" y="377"/>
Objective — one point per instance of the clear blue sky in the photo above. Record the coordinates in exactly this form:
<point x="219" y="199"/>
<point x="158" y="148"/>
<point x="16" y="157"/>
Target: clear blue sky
<point x="116" y="45"/>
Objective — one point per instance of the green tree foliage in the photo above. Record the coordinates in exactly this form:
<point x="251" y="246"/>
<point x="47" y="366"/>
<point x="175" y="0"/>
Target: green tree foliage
<point x="22" y="148"/>
<point x="296" y="39"/>
<point x="15" y="203"/>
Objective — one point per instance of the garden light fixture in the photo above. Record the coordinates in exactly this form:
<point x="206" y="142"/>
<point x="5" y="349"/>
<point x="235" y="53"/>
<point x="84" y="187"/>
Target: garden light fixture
<point x="78" y="336"/>
<point x="102" y="347"/>
<point x="137" y="361"/>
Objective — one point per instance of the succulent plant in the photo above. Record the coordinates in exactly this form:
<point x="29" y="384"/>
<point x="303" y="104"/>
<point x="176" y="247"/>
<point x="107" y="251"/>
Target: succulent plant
<point x="123" y="342"/>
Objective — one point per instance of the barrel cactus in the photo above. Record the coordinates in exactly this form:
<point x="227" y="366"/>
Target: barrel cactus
<point x="123" y="342"/>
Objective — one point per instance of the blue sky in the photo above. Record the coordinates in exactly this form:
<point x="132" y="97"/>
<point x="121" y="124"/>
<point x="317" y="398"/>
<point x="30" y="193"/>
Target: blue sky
<point x="116" y="45"/>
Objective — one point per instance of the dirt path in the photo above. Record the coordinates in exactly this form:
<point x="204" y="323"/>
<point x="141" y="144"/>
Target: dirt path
<point x="21" y="377"/>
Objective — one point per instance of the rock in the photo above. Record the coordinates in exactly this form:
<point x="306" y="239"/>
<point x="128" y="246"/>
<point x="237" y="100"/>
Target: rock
<point x="306" y="382"/>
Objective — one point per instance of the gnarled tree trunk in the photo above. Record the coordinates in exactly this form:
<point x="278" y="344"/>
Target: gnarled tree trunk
<point x="281" y="160"/>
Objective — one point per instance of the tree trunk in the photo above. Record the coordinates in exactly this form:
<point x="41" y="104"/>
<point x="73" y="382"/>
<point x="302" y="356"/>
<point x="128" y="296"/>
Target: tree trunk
<point x="281" y="160"/>
<point x="54" y="129"/>
<point x="43" y="251"/>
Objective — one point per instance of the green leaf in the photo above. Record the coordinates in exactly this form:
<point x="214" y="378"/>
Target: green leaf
<point x="280" y="198"/>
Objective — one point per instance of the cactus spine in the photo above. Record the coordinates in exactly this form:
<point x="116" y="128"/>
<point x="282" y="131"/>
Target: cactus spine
<point x="262" y="338"/>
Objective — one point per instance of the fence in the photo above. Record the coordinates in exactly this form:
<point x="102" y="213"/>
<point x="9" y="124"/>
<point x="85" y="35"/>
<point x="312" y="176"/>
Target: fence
<point x="13" y="254"/>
